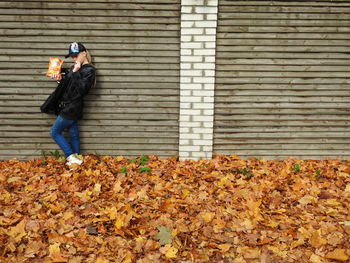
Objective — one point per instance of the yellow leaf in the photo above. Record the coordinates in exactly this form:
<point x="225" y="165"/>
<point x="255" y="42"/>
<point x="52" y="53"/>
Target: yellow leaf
<point x="208" y="216"/>
<point x="101" y="260"/>
<point x="347" y="188"/>
<point x="307" y="199"/>
<point x="171" y="253"/>
<point x="18" y="231"/>
<point x="337" y="254"/>
<point x="315" y="259"/>
<point x="97" y="188"/>
<point x="119" y="223"/>
<point x="55" y="248"/>
<point x="333" y="202"/>
<point x="224" y="247"/>
<point x="119" y="158"/>
<point x="317" y="240"/>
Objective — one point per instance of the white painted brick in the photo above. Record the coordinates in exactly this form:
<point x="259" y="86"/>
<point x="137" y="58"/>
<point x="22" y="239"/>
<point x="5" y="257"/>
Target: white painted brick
<point x="209" y="86"/>
<point x="204" y="38"/>
<point x="189" y="148"/>
<point x="187" y="9"/>
<point x="208" y="112"/>
<point x="184" y="118"/>
<point x="186" y="65"/>
<point x="191" y="99"/>
<point x="191" y="58"/>
<point x="203" y="106"/>
<point x="191" y="136"/>
<point x="203" y="80"/>
<point x="207" y="137"/>
<point x="209" y="59"/>
<point x="186" y="52"/>
<point x="185" y="93"/>
<point x="203" y="130"/>
<point x="183" y="130"/>
<point x="184" y="142"/>
<point x="202" y="142"/>
<point x="185" y="105"/>
<point x="190" y="124"/>
<point x="191" y="86"/>
<point x="192" y="2"/>
<point x="192" y="31"/>
<point x="205" y="24"/>
<point x="186" y="38"/>
<point x="203" y="65"/>
<point x="212" y="2"/>
<point x="200" y="155"/>
<point x="185" y="80"/>
<point x="192" y="17"/>
<point x="203" y="93"/>
<point x="210" y="31"/>
<point x="209" y="73"/>
<point x="209" y="125"/>
<point x="209" y="99"/>
<point x="206" y="9"/>
<point x="189" y="112"/>
<point x="203" y="118"/>
<point x="192" y="45"/>
<point x="188" y="24"/>
<point x="190" y="72"/>
<point x="183" y="155"/>
<point x="206" y="52"/>
<point x="210" y="45"/>
<point x="211" y="17"/>
<point x="207" y="148"/>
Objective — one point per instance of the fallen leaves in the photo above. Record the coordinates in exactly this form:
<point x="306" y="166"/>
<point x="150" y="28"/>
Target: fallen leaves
<point x="148" y="209"/>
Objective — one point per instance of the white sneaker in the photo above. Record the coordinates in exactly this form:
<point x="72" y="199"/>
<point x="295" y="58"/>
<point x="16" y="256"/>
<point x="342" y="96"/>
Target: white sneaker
<point x="71" y="159"/>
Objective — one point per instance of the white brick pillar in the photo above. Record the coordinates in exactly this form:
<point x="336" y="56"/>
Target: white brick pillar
<point x="197" y="77"/>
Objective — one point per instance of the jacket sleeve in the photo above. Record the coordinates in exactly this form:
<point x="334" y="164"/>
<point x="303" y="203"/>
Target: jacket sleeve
<point x="83" y="80"/>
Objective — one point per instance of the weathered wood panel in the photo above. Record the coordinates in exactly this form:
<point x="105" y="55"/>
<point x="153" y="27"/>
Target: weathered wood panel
<point x="135" y="46"/>
<point x="282" y="79"/>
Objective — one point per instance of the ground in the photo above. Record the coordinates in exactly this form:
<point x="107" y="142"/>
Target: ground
<point x="150" y="209"/>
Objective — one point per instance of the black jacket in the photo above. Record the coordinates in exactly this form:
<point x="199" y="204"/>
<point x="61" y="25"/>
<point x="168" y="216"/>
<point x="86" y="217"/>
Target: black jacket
<point x="67" y="99"/>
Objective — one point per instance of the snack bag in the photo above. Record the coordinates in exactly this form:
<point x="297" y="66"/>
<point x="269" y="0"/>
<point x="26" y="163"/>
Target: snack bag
<point x="55" y="65"/>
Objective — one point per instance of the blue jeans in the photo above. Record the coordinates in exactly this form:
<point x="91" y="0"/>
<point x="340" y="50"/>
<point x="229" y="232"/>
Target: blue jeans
<point x="73" y="130"/>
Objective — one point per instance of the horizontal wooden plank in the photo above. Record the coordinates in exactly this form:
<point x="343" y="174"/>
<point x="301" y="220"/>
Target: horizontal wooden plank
<point x="282" y="29"/>
<point x="287" y="87"/>
<point x="294" y="15"/>
<point x="73" y="5"/>
<point x="121" y="20"/>
<point x="277" y="80"/>
<point x="91" y="12"/>
<point x="278" y="121"/>
<point x="281" y="61"/>
<point x="282" y="74"/>
<point x="93" y="146"/>
<point x="272" y="48"/>
<point x="276" y="147"/>
<point x="226" y="21"/>
<point x="225" y="113"/>
<point x="268" y="35"/>
<point x="101" y="72"/>
<point x="92" y="26"/>
<point x="284" y="68"/>
<point x="282" y="55"/>
<point x="84" y="32"/>
<point x="115" y="47"/>
<point x="123" y="79"/>
<point x="255" y="41"/>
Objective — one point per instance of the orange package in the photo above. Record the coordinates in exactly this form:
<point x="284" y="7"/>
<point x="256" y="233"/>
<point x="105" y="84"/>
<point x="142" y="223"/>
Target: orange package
<point x="55" y="65"/>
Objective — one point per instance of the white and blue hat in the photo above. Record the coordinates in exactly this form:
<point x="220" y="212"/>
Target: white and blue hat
<point x="75" y="48"/>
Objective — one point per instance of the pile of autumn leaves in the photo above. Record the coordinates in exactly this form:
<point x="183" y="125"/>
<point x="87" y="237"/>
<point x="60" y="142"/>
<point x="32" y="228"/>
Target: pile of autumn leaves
<point x="148" y="209"/>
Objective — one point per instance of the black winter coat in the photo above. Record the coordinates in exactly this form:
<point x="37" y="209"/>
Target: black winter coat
<point x="68" y="101"/>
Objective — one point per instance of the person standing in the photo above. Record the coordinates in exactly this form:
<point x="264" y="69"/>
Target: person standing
<point x="76" y="83"/>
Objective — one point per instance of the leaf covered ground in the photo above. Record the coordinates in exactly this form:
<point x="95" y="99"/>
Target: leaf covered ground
<point x="148" y="209"/>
